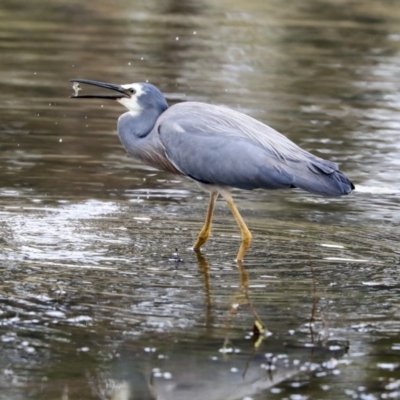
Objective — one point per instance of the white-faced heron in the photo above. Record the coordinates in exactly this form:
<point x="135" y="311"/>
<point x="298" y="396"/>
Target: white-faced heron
<point x="217" y="147"/>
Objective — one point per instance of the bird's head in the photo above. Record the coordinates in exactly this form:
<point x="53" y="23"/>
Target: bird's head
<point x="136" y="97"/>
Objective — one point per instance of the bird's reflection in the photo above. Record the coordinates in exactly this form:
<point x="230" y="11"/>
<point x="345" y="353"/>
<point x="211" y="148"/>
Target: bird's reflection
<point x="213" y="363"/>
<point x="180" y="368"/>
<point x="204" y="268"/>
<point x="240" y="298"/>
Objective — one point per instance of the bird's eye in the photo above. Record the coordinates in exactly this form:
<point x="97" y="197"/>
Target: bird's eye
<point x="132" y="90"/>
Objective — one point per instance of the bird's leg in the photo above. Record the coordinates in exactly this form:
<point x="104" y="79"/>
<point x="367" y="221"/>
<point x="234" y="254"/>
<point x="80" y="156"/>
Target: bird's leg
<point x="246" y="234"/>
<point x="206" y="230"/>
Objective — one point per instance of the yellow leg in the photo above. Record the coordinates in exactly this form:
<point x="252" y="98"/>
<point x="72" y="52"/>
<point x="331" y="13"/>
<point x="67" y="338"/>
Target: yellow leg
<point x="246" y="234"/>
<point x="206" y="230"/>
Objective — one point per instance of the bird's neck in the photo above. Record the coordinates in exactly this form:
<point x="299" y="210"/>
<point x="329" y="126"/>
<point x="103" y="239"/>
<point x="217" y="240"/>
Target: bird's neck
<point x="143" y="123"/>
<point x="134" y="127"/>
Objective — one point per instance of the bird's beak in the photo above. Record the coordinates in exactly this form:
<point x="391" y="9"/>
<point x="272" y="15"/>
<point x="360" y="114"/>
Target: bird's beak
<point x="123" y="92"/>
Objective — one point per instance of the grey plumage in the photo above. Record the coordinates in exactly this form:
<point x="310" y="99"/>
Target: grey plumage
<point x="228" y="148"/>
<point x="218" y="147"/>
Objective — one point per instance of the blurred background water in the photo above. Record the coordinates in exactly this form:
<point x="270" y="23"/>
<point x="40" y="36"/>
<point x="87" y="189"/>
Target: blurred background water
<point x="101" y="296"/>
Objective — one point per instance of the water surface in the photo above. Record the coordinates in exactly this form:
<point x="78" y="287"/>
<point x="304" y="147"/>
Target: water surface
<point x="101" y="296"/>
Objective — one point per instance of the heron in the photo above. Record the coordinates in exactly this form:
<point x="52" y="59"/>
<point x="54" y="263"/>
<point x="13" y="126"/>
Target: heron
<point x="217" y="147"/>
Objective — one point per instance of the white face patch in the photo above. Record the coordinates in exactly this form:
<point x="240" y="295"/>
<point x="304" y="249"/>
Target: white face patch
<point x="132" y="103"/>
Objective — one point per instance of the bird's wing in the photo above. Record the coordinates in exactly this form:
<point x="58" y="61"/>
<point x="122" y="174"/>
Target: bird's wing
<point x="218" y="120"/>
<point x="220" y="146"/>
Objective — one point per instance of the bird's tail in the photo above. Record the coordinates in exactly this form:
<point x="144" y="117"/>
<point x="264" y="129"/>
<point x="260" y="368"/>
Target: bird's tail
<point x="321" y="177"/>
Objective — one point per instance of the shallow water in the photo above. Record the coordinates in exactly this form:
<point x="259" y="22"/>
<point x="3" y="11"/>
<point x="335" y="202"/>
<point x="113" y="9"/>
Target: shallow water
<point x="101" y="296"/>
